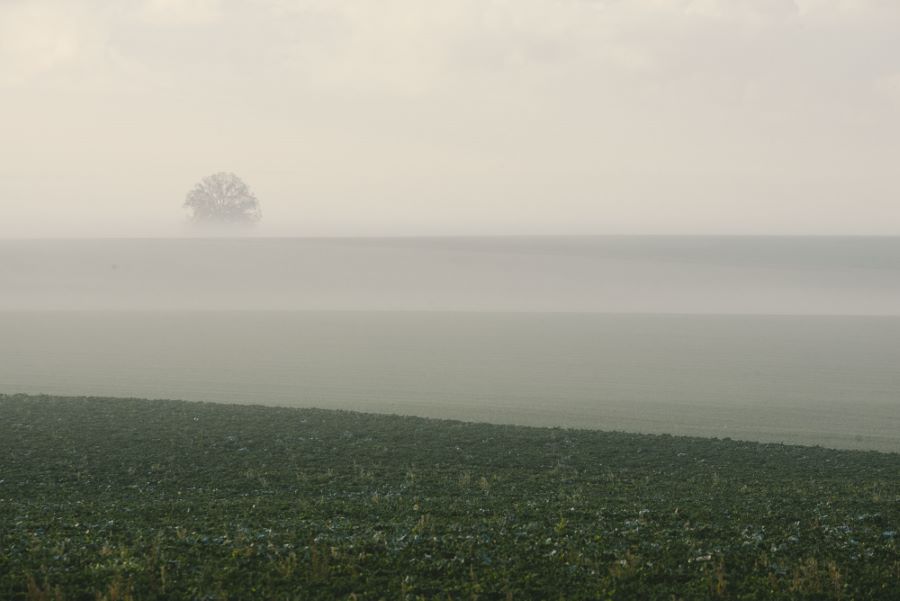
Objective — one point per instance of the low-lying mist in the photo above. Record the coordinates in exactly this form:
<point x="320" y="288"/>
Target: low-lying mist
<point x="737" y="275"/>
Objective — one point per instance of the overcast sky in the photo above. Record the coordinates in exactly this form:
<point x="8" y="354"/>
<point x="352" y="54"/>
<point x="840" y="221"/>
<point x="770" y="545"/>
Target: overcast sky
<point x="381" y="117"/>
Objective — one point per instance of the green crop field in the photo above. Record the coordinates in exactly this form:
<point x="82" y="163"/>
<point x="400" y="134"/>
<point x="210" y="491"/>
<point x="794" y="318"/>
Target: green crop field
<point x="135" y="499"/>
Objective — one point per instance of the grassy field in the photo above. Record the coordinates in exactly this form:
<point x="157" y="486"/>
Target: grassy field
<point x="134" y="499"/>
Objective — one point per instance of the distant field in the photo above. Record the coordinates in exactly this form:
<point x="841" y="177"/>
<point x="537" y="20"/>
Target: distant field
<point x="121" y="499"/>
<point x="761" y="338"/>
<point x="831" y="381"/>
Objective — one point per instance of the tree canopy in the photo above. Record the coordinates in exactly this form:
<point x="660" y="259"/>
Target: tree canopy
<point x="222" y="198"/>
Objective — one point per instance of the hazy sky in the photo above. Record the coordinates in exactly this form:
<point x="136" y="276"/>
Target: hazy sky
<point x="453" y="117"/>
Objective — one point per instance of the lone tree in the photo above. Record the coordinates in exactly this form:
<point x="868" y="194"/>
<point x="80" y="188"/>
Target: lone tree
<point x="222" y="198"/>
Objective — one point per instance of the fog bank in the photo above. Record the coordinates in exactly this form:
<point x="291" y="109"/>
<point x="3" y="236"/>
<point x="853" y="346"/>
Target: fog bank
<point x="733" y="275"/>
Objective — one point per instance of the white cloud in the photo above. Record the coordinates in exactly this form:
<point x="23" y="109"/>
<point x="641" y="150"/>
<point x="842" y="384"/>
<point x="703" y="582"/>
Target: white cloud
<point x="37" y="37"/>
<point x="848" y="12"/>
<point x="62" y="45"/>
<point x="181" y="12"/>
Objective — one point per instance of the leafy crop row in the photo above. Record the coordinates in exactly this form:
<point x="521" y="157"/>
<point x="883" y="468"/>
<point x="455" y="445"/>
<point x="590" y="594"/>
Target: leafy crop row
<point x="134" y="499"/>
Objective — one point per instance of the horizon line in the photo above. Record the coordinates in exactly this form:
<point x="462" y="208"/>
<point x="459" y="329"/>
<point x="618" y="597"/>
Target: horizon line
<point x="430" y="237"/>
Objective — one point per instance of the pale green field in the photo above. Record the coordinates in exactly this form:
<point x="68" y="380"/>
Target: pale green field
<point x="831" y="381"/>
